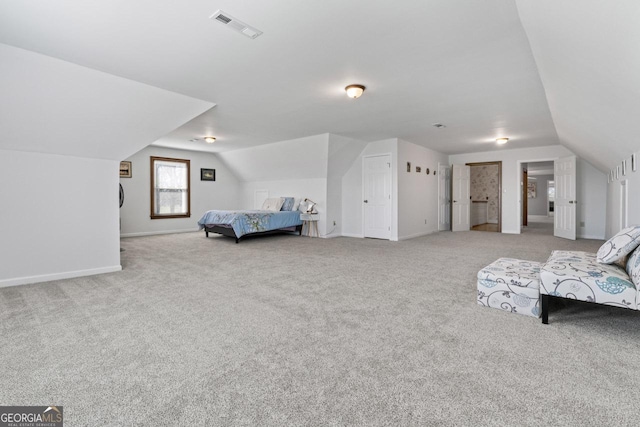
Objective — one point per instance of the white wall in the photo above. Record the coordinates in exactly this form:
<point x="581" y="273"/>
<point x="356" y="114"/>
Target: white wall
<point x="53" y="106"/>
<point x="342" y="152"/>
<point x="292" y="159"/>
<point x="223" y="193"/>
<point x="417" y="192"/>
<point x="592" y="199"/>
<point x="614" y="211"/>
<point x="538" y="205"/>
<point x="591" y="195"/>
<point x="59" y="217"/>
<point x="352" y="189"/>
<point x="294" y="168"/>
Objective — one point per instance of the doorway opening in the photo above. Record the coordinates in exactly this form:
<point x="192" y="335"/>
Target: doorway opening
<point x="486" y="196"/>
<point x="538" y="197"/>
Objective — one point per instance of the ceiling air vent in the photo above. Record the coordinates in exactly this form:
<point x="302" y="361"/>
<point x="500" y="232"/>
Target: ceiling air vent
<point x="235" y="24"/>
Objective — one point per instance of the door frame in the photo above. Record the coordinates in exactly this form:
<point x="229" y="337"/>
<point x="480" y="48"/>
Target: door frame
<point x="520" y="183"/>
<point x="499" y="164"/>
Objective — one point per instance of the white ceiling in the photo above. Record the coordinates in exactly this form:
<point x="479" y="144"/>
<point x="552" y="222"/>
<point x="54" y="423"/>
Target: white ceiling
<point x="466" y="64"/>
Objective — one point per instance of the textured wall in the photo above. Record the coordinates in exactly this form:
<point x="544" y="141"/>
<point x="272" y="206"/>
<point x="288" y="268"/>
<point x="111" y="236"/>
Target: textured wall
<point x="485" y="186"/>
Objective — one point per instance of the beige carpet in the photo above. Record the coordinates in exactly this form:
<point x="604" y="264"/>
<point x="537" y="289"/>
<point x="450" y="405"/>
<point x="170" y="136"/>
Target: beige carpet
<point x="290" y="330"/>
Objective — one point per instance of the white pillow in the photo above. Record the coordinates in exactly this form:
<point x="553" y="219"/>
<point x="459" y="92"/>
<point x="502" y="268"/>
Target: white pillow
<point x="619" y="245"/>
<point x="274" y="204"/>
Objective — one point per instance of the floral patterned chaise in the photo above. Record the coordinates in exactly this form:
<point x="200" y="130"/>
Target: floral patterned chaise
<point x="597" y="277"/>
<point x="512" y="285"/>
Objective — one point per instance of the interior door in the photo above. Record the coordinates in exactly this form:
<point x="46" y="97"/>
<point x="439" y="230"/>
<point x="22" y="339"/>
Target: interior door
<point x="461" y="194"/>
<point x="377" y="197"/>
<point x="565" y="200"/>
<point x="444" y="197"/>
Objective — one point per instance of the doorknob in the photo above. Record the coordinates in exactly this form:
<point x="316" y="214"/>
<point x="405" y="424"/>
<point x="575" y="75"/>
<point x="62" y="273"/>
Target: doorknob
<point x="366" y="201"/>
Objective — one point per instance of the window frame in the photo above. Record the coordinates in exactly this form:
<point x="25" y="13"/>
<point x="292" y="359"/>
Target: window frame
<point x="187" y="162"/>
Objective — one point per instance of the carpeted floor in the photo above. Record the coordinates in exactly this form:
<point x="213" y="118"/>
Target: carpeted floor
<point x="290" y="330"/>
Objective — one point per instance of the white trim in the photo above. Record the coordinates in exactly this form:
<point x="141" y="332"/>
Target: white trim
<point x="360" y="236"/>
<point x="411" y="236"/>
<point x="153" y="233"/>
<point x="510" y="231"/>
<point x="587" y="236"/>
<point x="58" y="276"/>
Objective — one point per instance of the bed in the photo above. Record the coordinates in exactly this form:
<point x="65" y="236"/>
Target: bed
<point x="241" y="224"/>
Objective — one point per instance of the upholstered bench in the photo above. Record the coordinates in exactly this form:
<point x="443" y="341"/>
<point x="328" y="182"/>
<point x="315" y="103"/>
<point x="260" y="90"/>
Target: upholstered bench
<point x="511" y="284"/>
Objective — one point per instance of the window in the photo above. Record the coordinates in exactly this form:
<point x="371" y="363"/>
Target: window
<point x="170" y="197"/>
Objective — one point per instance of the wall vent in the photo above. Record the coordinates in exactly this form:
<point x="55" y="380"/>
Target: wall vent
<point x="235" y="24"/>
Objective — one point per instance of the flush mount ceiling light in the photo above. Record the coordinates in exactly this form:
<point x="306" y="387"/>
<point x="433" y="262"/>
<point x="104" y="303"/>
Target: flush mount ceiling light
<point x="354" y="91"/>
<point x="209" y="139"/>
<point x="502" y="141"/>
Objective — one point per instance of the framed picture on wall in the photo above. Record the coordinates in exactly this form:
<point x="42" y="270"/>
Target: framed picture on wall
<point x="207" y="174"/>
<point x="531" y="190"/>
<point x="125" y="169"/>
<point x="634" y="165"/>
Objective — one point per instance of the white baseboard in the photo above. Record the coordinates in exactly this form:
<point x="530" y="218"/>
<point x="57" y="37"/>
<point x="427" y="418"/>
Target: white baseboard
<point x="412" y="236"/>
<point x="506" y="231"/>
<point x="154" y="233"/>
<point x="58" y="276"/>
<point x="361" y="236"/>
<point x="588" y="236"/>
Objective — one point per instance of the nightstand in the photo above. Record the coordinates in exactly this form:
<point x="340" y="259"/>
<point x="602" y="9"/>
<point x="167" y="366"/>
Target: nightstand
<point x="310" y="223"/>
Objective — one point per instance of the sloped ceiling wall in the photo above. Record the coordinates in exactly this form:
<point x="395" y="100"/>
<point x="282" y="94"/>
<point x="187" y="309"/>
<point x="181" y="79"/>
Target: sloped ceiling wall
<point x="303" y="158"/>
<point x="587" y="56"/>
<point x="55" y="107"/>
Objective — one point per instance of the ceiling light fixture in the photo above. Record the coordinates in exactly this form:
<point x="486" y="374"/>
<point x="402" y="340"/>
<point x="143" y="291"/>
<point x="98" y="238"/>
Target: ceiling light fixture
<point x="209" y="139"/>
<point x="354" y="91"/>
<point x="502" y="141"/>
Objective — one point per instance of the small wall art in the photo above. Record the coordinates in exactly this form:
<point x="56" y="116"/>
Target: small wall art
<point x="434" y="171"/>
<point x="408" y="166"/>
<point x="418" y="169"/>
<point x="428" y="171"/>
<point x="125" y="169"/>
<point x="624" y="167"/>
<point x="617" y="172"/>
<point x="531" y="190"/>
<point x="207" y="174"/>
<point x="634" y="164"/>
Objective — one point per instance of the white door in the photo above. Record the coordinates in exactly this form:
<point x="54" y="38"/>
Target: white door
<point x="565" y="201"/>
<point x="461" y="180"/>
<point x="444" y="197"/>
<point x="377" y="196"/>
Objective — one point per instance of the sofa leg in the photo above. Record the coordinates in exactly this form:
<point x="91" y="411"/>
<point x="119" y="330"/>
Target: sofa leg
<point x="544" y="306"/>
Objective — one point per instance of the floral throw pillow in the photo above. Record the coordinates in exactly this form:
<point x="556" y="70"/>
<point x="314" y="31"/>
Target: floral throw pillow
<point x="633" y="267"/>
<point x="619" y="245"/>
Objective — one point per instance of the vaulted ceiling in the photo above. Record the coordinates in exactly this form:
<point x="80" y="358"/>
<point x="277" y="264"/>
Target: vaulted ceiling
<point x="539" y="72"/>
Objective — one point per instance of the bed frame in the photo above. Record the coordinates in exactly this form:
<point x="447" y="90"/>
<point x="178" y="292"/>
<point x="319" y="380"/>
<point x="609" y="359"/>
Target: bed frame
<point x="228" y="231"/>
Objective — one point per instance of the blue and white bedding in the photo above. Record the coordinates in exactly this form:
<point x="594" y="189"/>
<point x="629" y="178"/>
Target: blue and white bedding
<point x="246" y="222"/>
